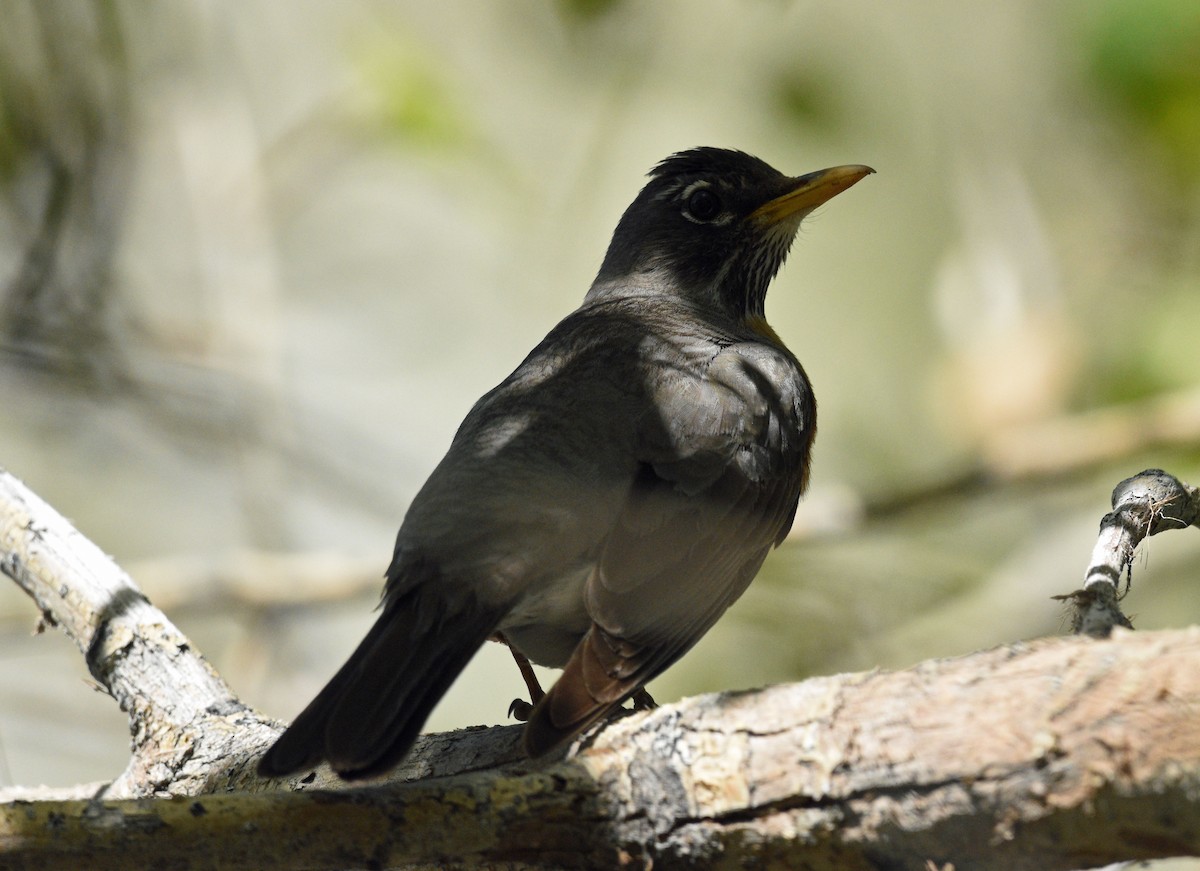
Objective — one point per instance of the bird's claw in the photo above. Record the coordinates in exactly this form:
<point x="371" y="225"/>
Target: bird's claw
<point x="520" y="710"/>
<point x="643" y="701"/>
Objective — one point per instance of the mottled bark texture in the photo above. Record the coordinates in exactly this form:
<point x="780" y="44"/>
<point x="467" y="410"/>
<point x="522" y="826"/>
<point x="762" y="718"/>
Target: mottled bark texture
<point x="1057" y="754"/>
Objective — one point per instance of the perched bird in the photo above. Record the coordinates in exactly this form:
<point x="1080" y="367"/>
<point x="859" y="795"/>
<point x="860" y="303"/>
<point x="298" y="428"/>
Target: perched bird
<point x="602" y="507"/>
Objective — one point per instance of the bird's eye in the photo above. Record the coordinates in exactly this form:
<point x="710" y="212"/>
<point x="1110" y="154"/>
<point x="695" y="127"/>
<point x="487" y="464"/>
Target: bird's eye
<point x="702" y="205"/>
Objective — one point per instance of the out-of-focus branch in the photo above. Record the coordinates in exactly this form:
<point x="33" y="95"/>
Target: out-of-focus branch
<point x="1072" y="442"/>
<point x="65" y="116"/>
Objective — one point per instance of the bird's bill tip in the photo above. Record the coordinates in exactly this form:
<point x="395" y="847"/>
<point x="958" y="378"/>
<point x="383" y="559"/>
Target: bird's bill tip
<point x="809" y="191"/>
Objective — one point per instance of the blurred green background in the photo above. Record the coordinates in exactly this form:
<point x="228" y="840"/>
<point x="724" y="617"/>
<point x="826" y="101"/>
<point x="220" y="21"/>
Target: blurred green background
<point x="257" y="259"/>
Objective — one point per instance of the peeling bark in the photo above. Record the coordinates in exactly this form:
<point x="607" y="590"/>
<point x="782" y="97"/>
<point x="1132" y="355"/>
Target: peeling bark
<point x="1055" y="754"/>
<point x="1146" y="504"/>
<point x="1059" y="754"/>
<point x="190" y="734"/>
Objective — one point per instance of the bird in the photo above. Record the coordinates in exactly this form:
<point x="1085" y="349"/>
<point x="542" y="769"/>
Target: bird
<point x="604" y="505"/>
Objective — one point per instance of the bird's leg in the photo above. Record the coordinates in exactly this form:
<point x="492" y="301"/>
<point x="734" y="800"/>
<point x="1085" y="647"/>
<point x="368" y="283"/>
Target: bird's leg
<point x="520" y="709"/>
<point x="643" y="701"/>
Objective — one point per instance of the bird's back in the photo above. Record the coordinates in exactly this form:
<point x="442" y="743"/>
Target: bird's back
<point x="543" y="466"/>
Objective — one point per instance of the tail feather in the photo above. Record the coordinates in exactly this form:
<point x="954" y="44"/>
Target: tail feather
<point x="369" y="714"/>
<point x="372" y="729"/>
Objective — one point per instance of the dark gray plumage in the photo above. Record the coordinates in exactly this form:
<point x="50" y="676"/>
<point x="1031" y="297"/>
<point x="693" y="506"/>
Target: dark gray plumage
<point x="606" y="503"/>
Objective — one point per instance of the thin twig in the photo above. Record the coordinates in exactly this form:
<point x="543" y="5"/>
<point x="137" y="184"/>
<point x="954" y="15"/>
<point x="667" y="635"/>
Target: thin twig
<point x="1144" y="505"/>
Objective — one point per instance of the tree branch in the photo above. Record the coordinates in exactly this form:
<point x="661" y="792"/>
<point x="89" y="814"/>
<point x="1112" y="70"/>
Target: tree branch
<point x="1086" y="752"/>
<point x="1148" y="503"/>
<point x="1056" y="754"/>
<point x="190" y="733"/>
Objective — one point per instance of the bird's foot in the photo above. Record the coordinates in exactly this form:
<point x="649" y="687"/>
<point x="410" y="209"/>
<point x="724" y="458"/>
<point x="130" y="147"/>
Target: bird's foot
<point x="521" y="710"/>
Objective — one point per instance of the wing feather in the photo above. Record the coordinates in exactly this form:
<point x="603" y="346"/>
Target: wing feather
<point x="724" y="459"/>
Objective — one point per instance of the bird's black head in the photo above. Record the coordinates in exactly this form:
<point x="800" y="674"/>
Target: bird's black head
<point x="715" y="225"/>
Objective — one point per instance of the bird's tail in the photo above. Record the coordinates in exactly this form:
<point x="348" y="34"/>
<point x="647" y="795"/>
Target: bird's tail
<point x="595" y="681"/>
<point x="367" y="717"/>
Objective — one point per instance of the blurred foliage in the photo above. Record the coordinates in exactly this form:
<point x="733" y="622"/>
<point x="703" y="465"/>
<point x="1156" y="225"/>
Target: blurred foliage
<point x="14" y="106"/>
<point x="411" y="94"/>
<point x="587" y="9"/>
<point x="1145" y="57"/>
<point x="1172" y="347"/>
<point x="1162" y="353"/>
<point x="64" y="113"/>
<point x="808" y="98"/>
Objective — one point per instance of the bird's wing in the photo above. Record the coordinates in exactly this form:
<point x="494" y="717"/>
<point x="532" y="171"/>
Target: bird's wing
<point x="724" y="460"/>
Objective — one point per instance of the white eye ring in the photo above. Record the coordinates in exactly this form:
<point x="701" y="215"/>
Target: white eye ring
<point x="702" y="206"/>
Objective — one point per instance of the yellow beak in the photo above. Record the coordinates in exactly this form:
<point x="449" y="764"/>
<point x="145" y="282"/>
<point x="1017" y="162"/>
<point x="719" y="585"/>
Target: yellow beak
<point x="809" y="192"/>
